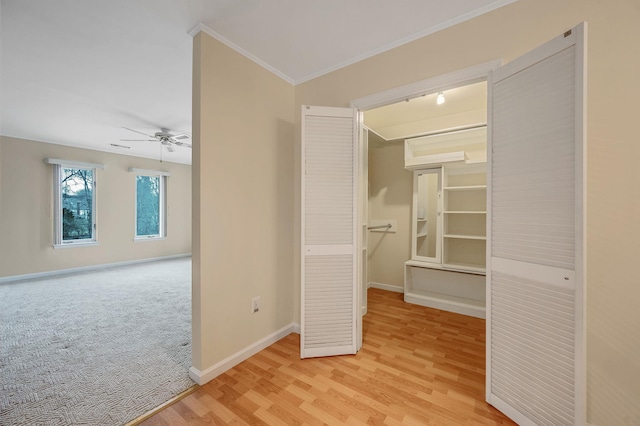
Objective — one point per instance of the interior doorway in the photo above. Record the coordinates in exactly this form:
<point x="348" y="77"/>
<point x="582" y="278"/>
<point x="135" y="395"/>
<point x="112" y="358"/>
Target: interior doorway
<point x="409" y="113"/>
<point x="536" y="170"/>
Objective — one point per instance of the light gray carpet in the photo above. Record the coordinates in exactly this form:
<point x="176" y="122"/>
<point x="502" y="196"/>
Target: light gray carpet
<point x="99" y="348"/>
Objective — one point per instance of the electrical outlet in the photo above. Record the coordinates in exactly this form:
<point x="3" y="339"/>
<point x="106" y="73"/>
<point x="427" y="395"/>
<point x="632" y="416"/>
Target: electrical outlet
<point x="255" y="304"/>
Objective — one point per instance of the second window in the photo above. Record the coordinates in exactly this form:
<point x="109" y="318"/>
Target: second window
<point x="150" y="206"/>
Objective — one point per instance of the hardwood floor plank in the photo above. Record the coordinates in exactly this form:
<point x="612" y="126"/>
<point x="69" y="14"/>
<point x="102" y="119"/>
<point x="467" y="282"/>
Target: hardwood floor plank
<point x="264" y="415"/>
<point x="219" y="410"/>
<point x="196" y="405"/>
<point x="258" y="399"/>
<point x="294" y="410"/>
<point x="172" y="417"/>
<point x="188" y="415"/>
<point x="301" y="393"/>
<point x="330" y="410"/>
<point x="320" y="413"/>
<point x="418" y="366"/>
<point x="157" y="420"/>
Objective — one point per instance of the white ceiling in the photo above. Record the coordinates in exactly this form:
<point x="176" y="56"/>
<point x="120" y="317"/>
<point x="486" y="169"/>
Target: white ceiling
<point x="75" y="72"/>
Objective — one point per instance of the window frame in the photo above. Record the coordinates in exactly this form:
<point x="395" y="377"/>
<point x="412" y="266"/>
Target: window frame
<point x="162" y="214"/>
<point x="58" y="167"/>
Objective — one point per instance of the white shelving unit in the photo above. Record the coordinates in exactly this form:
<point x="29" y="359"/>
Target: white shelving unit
<point x="464" y="217"/>
<point x="450" y="275"/>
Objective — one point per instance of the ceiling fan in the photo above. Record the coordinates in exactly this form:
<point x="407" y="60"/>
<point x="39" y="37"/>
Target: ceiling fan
<point x="164" y="136"/>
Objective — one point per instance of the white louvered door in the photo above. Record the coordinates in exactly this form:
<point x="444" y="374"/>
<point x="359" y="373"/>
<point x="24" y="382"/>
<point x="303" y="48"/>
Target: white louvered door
<point x="329" y="232"/>
<point x="535" y="271"/>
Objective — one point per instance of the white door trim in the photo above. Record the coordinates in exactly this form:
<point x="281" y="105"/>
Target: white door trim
<point x="435" y="84"/>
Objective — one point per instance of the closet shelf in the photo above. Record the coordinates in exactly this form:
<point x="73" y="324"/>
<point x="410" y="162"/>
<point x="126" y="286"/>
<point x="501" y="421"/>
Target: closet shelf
<point x="466" y="306"/>
<point x="442" y="287"/>
<point x="421" y="235"/>
<point x="415" y="161"/>
<point x="465" y="267"/>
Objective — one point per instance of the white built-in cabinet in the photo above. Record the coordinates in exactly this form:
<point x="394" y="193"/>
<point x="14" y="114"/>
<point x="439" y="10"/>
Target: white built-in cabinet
<point x="449" y="215"/>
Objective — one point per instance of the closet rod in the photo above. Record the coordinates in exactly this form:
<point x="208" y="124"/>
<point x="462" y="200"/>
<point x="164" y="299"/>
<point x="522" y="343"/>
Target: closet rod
<point x="453" y="130"/>
<point x="388" y="225"/>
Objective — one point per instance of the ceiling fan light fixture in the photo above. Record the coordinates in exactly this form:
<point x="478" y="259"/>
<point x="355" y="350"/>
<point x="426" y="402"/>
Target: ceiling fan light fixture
<point x="165" y="137"/>
<point x="440" y="98"/>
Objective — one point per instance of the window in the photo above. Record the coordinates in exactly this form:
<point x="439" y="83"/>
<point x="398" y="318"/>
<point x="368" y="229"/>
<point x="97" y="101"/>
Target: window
<point x="74" y="203"/>
<point x="150" y="204"/>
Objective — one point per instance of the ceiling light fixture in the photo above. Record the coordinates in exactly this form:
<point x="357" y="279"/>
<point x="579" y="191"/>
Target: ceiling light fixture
<point x="440" y="98"/>
<point x="115" y="145"/>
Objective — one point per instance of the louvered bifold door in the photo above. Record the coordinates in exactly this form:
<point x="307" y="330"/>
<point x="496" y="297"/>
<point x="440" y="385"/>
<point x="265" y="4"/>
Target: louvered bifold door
<point x="535" y="343"/>
<point x="329" y="232"/>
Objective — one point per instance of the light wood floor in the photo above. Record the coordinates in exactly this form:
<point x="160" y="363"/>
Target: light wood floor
<point x="418" y="366"/>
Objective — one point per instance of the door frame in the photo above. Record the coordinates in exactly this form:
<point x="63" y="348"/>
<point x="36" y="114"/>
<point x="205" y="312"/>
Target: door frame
<point x="463" y="77"/>
<point x="363" y="220"/>
<point x="484" y="72"/>
<point x="470" y="75"/>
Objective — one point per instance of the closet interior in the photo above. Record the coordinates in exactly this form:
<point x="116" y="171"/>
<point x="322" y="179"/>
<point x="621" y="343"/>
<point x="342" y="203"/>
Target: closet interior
<point x="446" y="208"/>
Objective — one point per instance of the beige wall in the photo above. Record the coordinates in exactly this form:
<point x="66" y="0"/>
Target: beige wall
<point x="26" y="209"/>
<point x="390" y="197"/>
<point x="613" y="207"/>
<point x="243" y="120"/>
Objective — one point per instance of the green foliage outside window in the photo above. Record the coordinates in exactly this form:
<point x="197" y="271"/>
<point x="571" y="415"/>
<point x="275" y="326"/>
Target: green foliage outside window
<point x="147" y="205"/>
<point x="77" y="204"/>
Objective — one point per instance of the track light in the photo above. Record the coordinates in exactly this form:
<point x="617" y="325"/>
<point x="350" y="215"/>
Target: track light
<point x="440" y="98"/>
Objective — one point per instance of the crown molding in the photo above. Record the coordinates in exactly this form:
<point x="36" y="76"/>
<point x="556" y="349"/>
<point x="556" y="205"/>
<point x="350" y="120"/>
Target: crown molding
<point x="222" y="39"/>
<point x="427" y="31"/>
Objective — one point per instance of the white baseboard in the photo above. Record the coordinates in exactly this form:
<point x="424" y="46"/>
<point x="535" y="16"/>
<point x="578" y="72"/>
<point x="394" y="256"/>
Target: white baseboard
<point x="387" y="287"/>
<point x="87" y="268"/>
<point x="202" y="377"/>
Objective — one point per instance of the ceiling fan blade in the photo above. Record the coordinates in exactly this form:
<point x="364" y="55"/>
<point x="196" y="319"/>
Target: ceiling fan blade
<point x="167" y="143"/>
<point x="150" y="136"/>
<point x="138" y="140"/>
<point x="180" y="136"/>
<point x="186" y="145"/>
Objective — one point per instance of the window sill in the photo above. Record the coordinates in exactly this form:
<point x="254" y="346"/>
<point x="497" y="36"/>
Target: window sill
<point x="143" y="239"/>
<point x="78" y="244"/>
